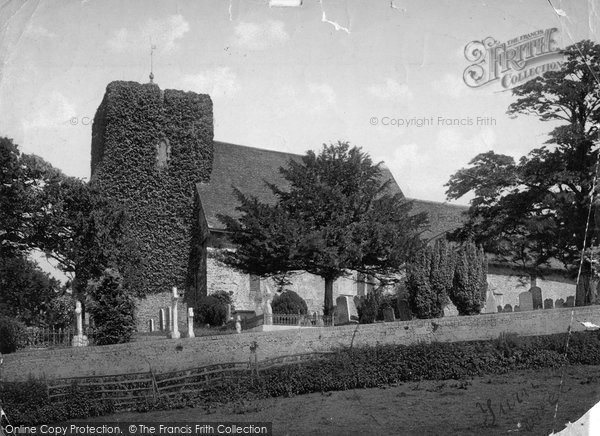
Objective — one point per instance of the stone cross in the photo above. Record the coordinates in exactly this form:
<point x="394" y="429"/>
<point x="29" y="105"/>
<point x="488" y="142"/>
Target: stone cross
<point x="174" y="327"/>
<point x="79" y="320"/>
<point x="268" y="310"/>
<point x="191" y="322"/>
<point x="79" y="340"/>
<point x="238" y="324"/>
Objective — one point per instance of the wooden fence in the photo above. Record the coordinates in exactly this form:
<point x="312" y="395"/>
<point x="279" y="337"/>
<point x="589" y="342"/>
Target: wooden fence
<point x="126" y="390"/>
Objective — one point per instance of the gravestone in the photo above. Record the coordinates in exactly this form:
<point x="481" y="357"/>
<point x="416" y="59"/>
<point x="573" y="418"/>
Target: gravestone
<point x="517" y="308"/>
<point x="450" y="310"/>
<point x="507" y="308"/>
<point x="404" y="313"/>
<point x="490" y="305"/>
<point x="536" y="297"/>
<point x="560" y="303"/>
<point x="174" y="333"/>
<point x="499" y="309"/>
<point x="388" y="314"/>
<point x="162" y="320"/>
<point x="238" y="324"/>
<point x="570" y="301"/>
<point x="346" y="312"/>
<point x="525" y="301"/>
<point x="191" y="322"/>
<point x="548" y="303"/>
<point x="151" y="325"/>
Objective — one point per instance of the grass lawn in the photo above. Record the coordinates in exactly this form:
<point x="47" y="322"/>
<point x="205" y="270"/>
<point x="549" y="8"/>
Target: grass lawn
<point x="416" y="408"/>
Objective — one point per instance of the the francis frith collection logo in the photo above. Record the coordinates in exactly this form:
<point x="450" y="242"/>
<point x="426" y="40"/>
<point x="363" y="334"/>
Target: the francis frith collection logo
<point x="513" y="62"/>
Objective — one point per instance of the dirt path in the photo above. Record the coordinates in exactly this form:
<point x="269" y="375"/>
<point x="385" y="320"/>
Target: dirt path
<point x="470" y="407"/>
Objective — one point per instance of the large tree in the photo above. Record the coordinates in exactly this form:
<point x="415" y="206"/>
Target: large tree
<point x="337" y="215"/>
<point x="26" y="292"/>
<point x="43" y="209"/>
<point x="535" y="211"/>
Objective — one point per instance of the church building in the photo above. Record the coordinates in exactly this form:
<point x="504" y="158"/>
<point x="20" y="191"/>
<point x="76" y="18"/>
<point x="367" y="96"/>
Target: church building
<point x="153" y="152"/>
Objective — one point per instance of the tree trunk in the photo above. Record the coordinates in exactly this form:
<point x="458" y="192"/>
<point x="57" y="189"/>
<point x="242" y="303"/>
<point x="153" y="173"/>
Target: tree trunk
<point x="328" y="305"/>
<point x="585" y="289"/>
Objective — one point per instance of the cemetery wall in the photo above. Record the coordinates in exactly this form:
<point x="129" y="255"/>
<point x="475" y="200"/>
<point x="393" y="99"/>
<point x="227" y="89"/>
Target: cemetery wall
<point x="163" y="355"/>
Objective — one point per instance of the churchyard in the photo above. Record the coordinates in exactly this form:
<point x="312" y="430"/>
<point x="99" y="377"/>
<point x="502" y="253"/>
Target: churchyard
<point x="305" y="287"/>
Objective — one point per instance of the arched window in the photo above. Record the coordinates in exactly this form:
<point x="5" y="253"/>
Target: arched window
<point x="163" y="153"/>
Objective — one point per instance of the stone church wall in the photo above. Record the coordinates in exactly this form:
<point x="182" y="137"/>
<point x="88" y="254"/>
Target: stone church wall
<point x="506" y="287"/>
<point x="248" y="291"/>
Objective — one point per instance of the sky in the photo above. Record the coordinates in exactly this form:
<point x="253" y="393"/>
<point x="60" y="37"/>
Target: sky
<point x="282" y="78"/>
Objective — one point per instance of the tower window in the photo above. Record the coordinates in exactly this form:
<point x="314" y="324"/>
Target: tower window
<point x="163" y="153"/>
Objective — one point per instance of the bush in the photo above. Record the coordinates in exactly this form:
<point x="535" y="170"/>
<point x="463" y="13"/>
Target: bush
<point x="28" y="403"/>
<point x="112" y="308"/>
<point x="211" y="310"/>
<point x="368" y="307"/>
<point x="224" y="298"/>
<point x="12" y="335"/>
<point x="289" y="303"/>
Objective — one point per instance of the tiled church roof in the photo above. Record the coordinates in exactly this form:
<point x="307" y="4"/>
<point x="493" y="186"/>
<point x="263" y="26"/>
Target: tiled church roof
<point x="443" y="217"/>
<point x="247" y="168"/>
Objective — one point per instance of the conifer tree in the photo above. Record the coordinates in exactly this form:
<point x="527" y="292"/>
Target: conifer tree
<point x="470" y="279"/>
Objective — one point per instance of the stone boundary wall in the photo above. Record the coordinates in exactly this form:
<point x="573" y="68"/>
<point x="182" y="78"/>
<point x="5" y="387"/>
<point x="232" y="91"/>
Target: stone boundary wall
<point x="166" y="355"/>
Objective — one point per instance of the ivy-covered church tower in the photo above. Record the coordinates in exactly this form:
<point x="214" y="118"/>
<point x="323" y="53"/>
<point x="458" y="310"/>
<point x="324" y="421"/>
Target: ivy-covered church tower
<point x="149" y="149"/>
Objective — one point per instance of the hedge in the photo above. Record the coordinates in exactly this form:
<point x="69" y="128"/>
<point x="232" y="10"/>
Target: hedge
<point x="131" y="122"/>
<point x="365" y="367"/>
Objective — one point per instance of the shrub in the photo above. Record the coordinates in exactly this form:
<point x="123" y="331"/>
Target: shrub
<point x="368" y="307"/>
<point x="28" y="403"/>
<point x="224" y="297"/>
<point x="112" y="308"/>
<point x="12" y="335"/>
<point x="211" y="310"/>
<point x="289" y="303"/>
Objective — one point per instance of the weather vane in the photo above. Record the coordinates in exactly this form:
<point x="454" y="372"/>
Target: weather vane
<point x="152" y="48"/>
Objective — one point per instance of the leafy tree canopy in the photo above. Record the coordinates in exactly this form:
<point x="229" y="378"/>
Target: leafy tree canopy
<point x="41" y="208"/>
<point x="336" y="214"/>
<point x="535" y="210"/>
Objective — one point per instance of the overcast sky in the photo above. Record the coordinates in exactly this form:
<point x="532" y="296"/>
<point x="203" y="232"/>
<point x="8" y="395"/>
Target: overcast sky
<point x="285" y="79"/>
